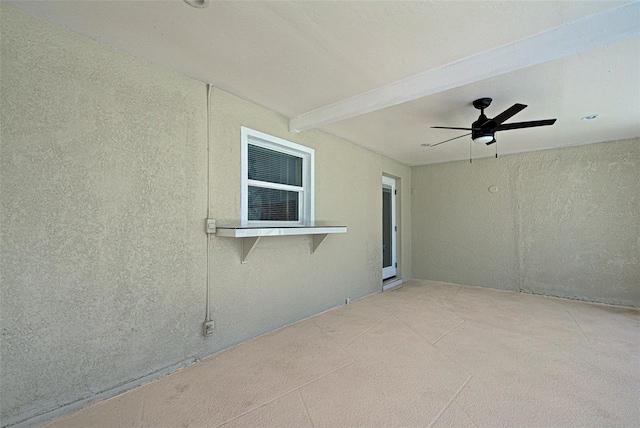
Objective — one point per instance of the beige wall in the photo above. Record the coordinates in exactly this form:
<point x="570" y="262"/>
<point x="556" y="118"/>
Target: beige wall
<point x="563" y="222"/>
<point x="281" y="281"/>
<point x="103" y="175"/>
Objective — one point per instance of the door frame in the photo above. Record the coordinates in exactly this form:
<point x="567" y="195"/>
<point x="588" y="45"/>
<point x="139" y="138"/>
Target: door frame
<point x="391" y="271"/>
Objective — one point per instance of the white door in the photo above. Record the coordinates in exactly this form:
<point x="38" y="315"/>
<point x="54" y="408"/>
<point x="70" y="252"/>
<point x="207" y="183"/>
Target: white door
<point x="389" y="228"/>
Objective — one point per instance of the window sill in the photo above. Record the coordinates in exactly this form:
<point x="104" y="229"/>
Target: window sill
<point x="250" y="235"/>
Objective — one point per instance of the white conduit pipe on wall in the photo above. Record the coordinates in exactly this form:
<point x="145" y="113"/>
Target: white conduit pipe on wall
<point x="209" y="236"/>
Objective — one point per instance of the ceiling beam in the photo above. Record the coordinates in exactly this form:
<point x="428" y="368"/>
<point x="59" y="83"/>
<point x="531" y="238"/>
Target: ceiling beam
<point x="618" y="24"/>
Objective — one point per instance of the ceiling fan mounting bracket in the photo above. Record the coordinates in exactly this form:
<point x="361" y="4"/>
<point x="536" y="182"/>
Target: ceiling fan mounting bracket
<point x="482" y="103"/>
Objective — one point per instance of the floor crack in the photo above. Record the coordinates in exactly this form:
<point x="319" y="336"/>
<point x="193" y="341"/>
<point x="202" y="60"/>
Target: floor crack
<point x="465" y="413"/>
<point x="446" y="406"/>
<point x="574" y="320"/>
<point x="384" y="318"/>
<point x="306" y="409"/>
<point x="449" y="331"/>
<point x="283" y="394"/>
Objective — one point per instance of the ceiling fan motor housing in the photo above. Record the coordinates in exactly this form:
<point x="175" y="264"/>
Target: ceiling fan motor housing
<point x="478" y="130"/>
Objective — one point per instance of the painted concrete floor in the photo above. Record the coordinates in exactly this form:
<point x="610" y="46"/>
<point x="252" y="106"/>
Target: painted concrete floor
<point x="427" y="354"/>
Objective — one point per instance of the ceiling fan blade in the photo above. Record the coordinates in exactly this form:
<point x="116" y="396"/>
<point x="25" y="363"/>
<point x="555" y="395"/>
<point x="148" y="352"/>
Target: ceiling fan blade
<point x="531" y="124"/>
<point x="511" y="111"/>
<point x="461" y="129"/>
<point x="446" y="141"/>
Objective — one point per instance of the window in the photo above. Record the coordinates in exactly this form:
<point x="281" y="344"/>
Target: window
<point x="277" y="180"/>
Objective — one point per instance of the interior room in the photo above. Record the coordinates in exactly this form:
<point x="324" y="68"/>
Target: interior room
<point x="319" y="213"/>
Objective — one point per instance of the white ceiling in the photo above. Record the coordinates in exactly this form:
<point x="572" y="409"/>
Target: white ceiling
<point x="296" y="57"/>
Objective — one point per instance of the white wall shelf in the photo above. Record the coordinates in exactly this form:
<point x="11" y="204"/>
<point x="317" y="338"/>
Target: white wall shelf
<point x="250" y="235"/>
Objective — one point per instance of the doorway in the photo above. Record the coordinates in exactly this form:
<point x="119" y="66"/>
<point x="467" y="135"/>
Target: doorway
<point x="389" y="228"/>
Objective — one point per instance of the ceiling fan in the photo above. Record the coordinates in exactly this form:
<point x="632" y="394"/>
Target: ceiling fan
<point x="483" y="130"/>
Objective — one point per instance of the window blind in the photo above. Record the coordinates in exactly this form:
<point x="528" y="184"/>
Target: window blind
<point x="276" y="185"/>
<point x="274" y="167"/>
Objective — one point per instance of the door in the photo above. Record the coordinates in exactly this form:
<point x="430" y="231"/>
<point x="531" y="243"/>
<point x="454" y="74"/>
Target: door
<point x="389" y="228"/>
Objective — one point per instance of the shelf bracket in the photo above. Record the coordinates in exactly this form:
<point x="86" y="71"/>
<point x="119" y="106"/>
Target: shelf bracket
<point x="317" y="240"/>
<point x="247" y="244"/>
<point x="249" y="235"/>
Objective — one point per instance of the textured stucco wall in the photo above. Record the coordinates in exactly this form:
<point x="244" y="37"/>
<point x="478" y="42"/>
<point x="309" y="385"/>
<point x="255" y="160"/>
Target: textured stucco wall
<point x="563" y="222"/>
<point x="103" y="176"/>
<point x="282" y="281"/>
<point x="103" y="166"/>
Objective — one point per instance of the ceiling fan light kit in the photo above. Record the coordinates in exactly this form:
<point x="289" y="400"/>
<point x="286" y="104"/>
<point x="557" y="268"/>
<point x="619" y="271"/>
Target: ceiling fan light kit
<point x="483" y="130"/>
<point x="483" y="139"/>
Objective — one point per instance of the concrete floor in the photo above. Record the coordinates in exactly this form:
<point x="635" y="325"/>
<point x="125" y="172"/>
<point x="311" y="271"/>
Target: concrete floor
<point x="427" y="354"/>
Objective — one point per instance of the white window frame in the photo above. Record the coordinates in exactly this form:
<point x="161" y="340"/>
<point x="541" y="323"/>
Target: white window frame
<point x="306" y="200"/>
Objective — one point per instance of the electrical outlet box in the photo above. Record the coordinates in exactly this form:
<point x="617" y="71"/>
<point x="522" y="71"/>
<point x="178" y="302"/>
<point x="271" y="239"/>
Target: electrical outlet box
<point x="207" y="328"/>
